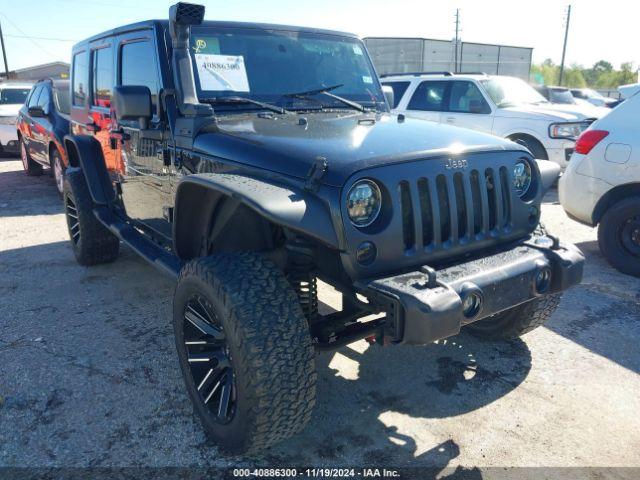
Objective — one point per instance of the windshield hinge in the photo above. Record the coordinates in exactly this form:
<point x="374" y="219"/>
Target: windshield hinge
<point x="316" y="172"/>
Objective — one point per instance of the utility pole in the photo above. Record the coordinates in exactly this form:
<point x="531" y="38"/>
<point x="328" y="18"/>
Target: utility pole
<point x="456" y="41"/>
<point x="564" y="47"/>
<point x="4" y="54"/>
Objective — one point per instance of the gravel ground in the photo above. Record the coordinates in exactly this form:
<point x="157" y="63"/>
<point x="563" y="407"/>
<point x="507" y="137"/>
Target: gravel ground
<point x="89" y="375"/>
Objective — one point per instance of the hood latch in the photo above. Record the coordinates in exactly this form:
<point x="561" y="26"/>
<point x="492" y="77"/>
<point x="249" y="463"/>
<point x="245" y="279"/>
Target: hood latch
<point x="316" y="172"/>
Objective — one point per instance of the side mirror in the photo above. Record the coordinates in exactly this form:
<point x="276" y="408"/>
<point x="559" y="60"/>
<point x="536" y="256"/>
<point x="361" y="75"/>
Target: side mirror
<point x="389" y="95"/>
<point x="36" y="111"/>
<point x="132" y="102"/>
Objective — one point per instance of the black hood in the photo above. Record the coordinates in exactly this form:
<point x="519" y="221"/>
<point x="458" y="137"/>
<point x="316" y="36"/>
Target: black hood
<point x="349" y="141"/>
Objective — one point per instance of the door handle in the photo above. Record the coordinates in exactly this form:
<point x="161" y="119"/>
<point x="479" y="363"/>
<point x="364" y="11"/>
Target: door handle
<point x="117" y="137"/>
<point x="92" y="127"/>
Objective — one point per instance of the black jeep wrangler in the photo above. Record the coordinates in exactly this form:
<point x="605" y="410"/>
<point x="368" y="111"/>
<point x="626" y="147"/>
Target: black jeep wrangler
<point x="248" y="161"/>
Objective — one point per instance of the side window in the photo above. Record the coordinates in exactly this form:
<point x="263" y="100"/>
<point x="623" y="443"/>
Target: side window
<point x="33" y="98"/>
<point x="44" y="99"/>
<point x="466" y="98"/>
<point x="429" y="96"/>
<point x="399" y="89"/>
<point x="80" y="78"/>
<point x="102" y="77"/>
<point x="138" y="67"/>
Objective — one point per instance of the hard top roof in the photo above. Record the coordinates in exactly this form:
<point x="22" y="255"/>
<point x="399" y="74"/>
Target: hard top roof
<point x="147" y="24"/>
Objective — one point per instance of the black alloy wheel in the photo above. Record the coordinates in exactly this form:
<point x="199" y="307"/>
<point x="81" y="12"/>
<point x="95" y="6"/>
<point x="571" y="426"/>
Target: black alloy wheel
<point x="209" y="359"/>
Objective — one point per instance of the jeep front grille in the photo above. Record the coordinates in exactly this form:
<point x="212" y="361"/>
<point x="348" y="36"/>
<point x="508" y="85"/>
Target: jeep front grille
<point x="454" y="209"/>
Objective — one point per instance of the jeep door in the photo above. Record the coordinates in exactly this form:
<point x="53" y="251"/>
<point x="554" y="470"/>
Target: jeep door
<point x="145" y="181"/>
<point x="28" y="124"/>
<point x="467" y="107"/>
<point x="428" y="100"/>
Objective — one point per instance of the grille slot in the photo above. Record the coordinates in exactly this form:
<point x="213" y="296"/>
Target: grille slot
<point x="454" y="209"/>
<point x="408" y="223"/>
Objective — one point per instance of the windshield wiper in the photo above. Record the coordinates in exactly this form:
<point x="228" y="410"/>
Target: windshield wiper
<point x="240" y="100"/>
<point x="327" y="91"/>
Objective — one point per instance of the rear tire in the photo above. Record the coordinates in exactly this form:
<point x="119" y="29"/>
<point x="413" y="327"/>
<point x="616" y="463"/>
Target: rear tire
<point x="253" y="349"/>
<point x="516" y="321"/>
<point x="92" y="243"/>
<point x="619" y="236"/>
<point x="31" y="167"/>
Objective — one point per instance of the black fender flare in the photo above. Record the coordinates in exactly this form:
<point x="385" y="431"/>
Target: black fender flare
<point x="281" y="205"/>
<point x="85" y="152"/>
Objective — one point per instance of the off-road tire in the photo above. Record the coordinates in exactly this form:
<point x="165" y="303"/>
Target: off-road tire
<point x="57" y="170"/>
<point x="516" y="321"/>
<point x="610" y="236"/>
<point x="269" y="347"/>
<point x="30" y="166"/>
<point x="92" y="243"/>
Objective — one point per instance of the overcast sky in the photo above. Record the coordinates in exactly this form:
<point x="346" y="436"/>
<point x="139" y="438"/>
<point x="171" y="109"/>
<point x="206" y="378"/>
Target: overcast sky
<point x="599" y="30"/>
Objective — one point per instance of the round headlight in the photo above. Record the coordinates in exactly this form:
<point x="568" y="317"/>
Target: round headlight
<point x="363" y="203"/>
<point x="522" y="177"/>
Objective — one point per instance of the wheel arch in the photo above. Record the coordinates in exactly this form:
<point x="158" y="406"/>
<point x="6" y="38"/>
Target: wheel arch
<point x="514" y="137"/>
<point x="85" y="152"/>
<point x="243" y="212"/>
<point x="614" y="195"/>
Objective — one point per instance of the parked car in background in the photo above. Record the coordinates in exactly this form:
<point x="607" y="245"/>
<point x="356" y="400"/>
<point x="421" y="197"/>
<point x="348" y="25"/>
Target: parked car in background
<point x="593" y="97"/>
<point x="12" y="96"/>
<point x="43" y="121"/>
<point x="602" y="183"/>
<point x="504" y="106"/>
<point x="562" y="99"/>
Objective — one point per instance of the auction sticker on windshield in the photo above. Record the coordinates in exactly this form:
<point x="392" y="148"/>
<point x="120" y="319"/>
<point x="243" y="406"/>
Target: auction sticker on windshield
<point x="222" y="72"/>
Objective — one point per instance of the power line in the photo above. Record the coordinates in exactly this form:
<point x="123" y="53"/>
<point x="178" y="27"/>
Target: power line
<point x="41" y="38"/>
<point x="27" y="37"/>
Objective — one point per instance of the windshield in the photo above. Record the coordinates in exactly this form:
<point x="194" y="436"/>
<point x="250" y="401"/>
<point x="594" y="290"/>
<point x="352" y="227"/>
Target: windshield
<point x="61" y="99"/>
<point x="510" y="91"/>
<point x="269" y="65"/>
<point x="11" y="96"/>
<point x="561" y="95"/>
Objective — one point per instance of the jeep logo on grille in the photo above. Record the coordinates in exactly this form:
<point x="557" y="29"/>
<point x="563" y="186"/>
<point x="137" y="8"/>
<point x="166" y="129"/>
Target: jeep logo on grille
<point x="456" y="164"/>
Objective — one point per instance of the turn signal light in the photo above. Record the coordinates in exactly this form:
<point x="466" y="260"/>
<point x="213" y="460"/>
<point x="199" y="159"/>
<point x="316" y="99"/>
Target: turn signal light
<point x="588" y="140"/>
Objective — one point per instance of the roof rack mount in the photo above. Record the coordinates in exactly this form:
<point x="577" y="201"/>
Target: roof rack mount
<point x="416" y="74"/>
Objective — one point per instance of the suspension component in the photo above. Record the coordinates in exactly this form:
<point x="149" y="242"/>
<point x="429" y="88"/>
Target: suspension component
<point x="301" y="275"/>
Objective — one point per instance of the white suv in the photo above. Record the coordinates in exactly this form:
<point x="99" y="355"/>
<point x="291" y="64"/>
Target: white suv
<point x="12" y="97"/>
<point x="602" y="183"/>
<point x="504" y="106"/>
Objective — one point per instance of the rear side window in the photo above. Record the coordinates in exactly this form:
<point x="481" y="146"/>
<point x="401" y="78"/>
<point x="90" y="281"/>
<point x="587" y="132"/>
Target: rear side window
<point x="80" y="78"/>
<point x="399" y="88"/>
<point x="102" y="77"/>
<point x="138" y="67"/>
<point x="466" y="98"/>
<point x="429" y="97"/>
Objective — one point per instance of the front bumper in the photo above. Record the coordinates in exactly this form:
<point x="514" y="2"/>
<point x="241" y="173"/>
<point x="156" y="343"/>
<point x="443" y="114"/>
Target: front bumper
<point x="9" y="139"/>
<point x="427" y="305"/>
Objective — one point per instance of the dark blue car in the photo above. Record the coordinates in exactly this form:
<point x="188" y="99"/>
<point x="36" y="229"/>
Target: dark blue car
<point x="43" y="121"/>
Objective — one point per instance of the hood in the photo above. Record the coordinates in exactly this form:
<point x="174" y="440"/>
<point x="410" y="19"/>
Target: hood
<point x="291" y="144"/>
<point x="10" y="110"/>
<point x="547" y="111"/>
<point x="628" y="91"/>
<point x="586" y="109"/>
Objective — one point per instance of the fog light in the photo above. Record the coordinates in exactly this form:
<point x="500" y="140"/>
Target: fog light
<point x="471" y="304"/>
<point x="543" y="280"/>
<point x="366" y="253"/>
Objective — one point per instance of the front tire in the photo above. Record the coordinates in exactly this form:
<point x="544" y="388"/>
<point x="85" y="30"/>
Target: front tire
<point x="619" y="236"/>
<point x="516" y="321"/>
<point x="30" y="166"/>
<point x="92" y="243"/>
<point x="244" y="349"/>
<point x="57" y="170"/>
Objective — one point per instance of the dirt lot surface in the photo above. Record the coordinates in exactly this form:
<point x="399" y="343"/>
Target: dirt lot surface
<point x="89" y="375"/>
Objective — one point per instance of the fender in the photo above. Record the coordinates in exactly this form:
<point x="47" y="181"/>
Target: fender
<point x="549" y="173"/>
<point x="85" y="152"/>
<point x="282" y="205"/>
